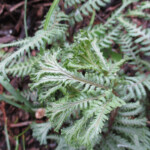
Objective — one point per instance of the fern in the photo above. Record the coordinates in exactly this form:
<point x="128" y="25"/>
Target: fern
<point x="40" y="131"/>
<point x="126" y="133"/>
<point x="142" y="35"/>
<point x="16" y="43"/>
<point x="145" y="5"/>
<point x="138" y="13"/>
<point x="23" y="68"/>
<point x="137" y="86"/>
<point x="88" y="96"/>
<point x="95" y="95"/>
<point x="30" y="95"/>
<point x="89" y="6"/>
<point x="90" y="85"/>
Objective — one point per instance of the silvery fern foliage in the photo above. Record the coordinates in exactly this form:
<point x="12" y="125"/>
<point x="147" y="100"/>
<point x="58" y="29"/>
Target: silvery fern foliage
<point x="79" y="83"/>
<point x="127" y="130"/>
<point x="55" y="30"/>
<point x="88" y="96"/>
<point x="92" y="93"/>
<point x="40" y="131"/>
<point x="87" y="7"/>
<point x="142" y="35"/>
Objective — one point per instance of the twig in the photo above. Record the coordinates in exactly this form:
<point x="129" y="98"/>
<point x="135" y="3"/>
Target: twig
<point x="22" y="124"/>
<point x="43" y="5"/>
<point x="21" y="4"/>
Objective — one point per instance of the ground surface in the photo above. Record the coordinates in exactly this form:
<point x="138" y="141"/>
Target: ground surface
<point x="12" y="28"/>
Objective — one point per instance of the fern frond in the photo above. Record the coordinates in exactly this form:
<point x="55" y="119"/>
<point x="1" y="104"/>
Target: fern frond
<point x="130" y="106"/>
<point x="15" y="43"/>
<point x="135" y="31"/>
<point x="87" y="7"/>
<point x="81" y="132"/>
<point x="54" y="73"/>
<point x="138" y="13"/>
<point x="132" y="122"/>
<point x="113" y="19"/>
<point x="136" y="86"/>
<point x="142" y="35"/>
<point x="79" y="84"/>
<point x="128" y="129"/>
<point x="54" y="31"/>
<point x="127" y="47"/>
<point x="30" y="95"/>
<point x="145" y="5"/>
<point x="23" y="68"/>
<point x="130" y="49"/>
<point x="40" y="131"/>
<point x="131" y="109"/>
<point x="87" y="56"/>
<point x="108" y="39"/>
<point x="62" y="75"/>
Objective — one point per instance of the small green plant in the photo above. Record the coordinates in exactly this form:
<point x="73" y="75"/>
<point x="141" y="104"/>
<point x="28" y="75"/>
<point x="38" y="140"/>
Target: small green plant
<point x="88" y="96"/>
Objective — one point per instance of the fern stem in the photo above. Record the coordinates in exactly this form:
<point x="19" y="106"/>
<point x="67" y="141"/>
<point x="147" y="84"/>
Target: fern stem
<point x="49" y="14"/>
<point x="25" y="18"/>
<point x="118" y="12"/>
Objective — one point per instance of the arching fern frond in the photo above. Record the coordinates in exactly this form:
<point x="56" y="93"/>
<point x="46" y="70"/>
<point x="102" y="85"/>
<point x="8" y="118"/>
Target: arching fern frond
<point x="52" y="72"/>
<point x="54" y="31"/>
<point x="16" y="43"/>
<point x="128" y="129"/>
<point x="145" y="5"/>
<point x="130" y="49"/>
<point x="84" y="132"/>
<point x="137" y="86"/>
<point x="138" y="13"/>
<point x="40" y="131"/>
<point x="142" y="35"/>
<point x="23" y="68"/>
